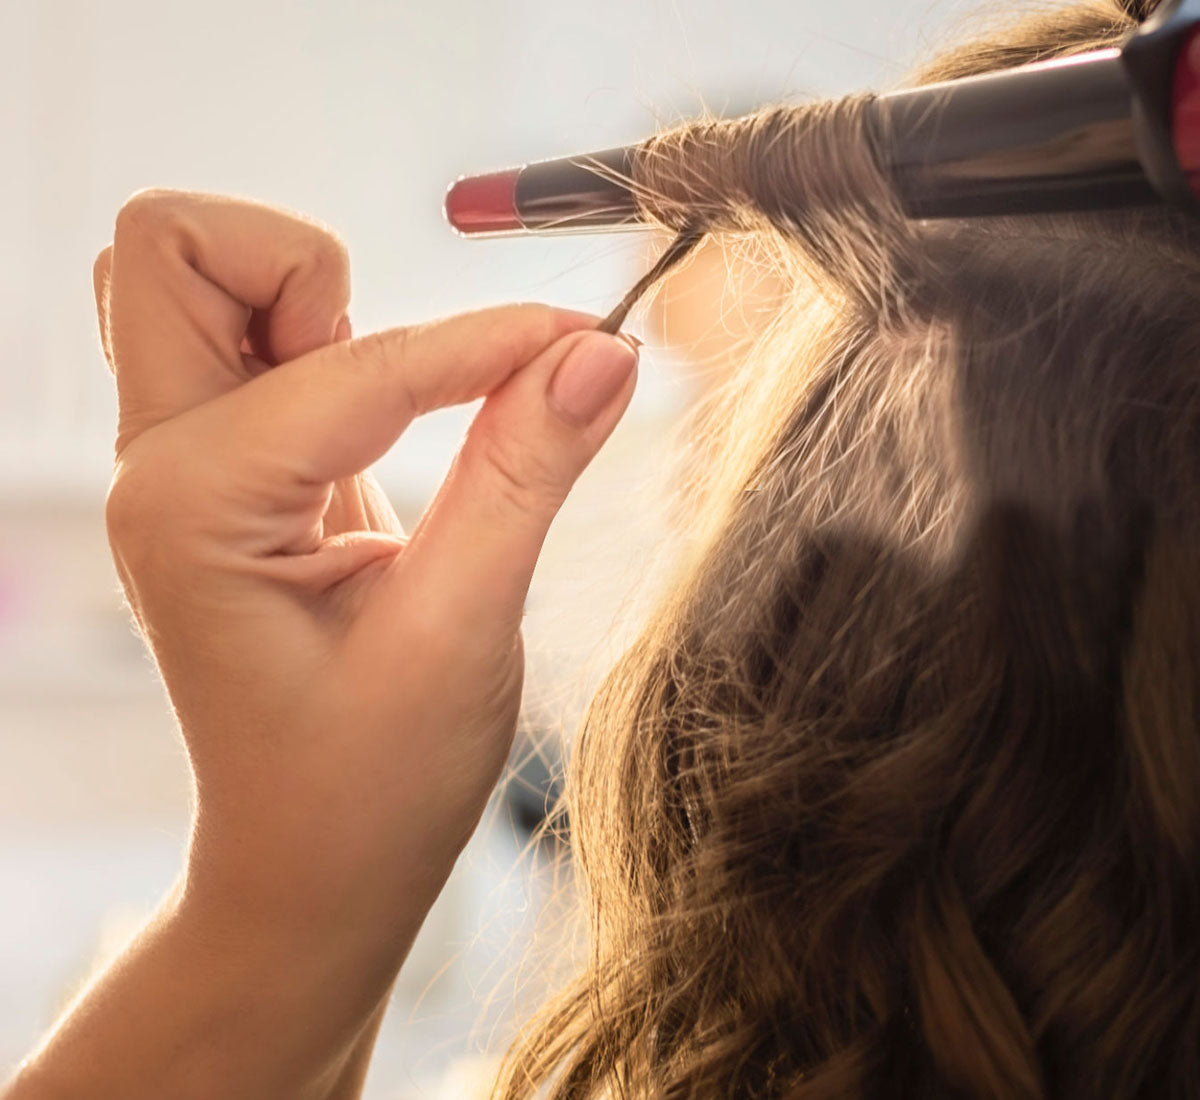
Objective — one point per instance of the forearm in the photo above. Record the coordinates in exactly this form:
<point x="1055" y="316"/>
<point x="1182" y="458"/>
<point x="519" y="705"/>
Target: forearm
<point x="195" y="1008"/>
<point x="349" y="1085"/>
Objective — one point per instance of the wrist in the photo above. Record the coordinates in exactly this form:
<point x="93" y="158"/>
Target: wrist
<point x="335" y="867"/>
<point x="319" y="893"/>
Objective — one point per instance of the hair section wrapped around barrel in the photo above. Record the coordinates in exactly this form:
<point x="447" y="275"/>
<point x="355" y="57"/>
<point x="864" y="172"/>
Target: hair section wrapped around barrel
<point x="808" y="172"/>
<point x="896" y="791"/>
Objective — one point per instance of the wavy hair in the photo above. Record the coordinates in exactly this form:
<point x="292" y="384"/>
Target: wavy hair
<point x="897" y="793"/>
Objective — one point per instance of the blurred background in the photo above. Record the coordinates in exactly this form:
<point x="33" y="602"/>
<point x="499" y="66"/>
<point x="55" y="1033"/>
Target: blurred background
<point x="359" y="113"/>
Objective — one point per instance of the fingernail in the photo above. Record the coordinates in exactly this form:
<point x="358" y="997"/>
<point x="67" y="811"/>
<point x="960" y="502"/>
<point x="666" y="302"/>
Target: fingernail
<point x="631" y="340"/>
<point x="342" y="330"/>
<point x="593" y="373"/>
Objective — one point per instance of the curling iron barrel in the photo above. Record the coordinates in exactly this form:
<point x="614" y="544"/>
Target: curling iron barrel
<point x="1110" y="128"/>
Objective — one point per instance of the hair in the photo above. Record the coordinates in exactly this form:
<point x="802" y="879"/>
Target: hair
<point x="897" y="793"/>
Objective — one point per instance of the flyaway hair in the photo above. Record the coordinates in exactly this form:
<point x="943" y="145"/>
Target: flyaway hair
<point x="898" y="791"/>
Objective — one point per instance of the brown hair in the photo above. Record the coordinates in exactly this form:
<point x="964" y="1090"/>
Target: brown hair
<point x="898" y="792"/>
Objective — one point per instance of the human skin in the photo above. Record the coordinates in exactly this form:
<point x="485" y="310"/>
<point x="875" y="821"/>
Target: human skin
<point x="347" y="693"/>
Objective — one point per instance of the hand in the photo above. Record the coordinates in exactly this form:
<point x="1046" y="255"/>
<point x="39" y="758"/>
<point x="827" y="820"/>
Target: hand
<point x="348" y="695"/>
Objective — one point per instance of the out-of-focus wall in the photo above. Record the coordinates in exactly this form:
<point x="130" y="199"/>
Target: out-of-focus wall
<point x="358" y="112"/>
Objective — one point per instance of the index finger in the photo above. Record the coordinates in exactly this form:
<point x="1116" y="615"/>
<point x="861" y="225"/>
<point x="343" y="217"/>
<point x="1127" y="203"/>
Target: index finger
<point x="332" y="413"/>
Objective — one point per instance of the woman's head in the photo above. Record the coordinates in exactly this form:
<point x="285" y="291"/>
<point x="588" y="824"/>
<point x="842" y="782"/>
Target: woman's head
<point x="899" y="790"/>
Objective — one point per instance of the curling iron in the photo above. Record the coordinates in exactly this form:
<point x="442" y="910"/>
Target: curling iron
<point x="1110" y="128"/>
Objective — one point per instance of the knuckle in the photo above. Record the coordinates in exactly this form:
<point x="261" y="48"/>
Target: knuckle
<point x="519" y="478"/>
<point x="317" y="251"/>
<point x="371" y="352"/>
<point x="380" y="356"/>
<point x="127" y="506"/>
<point x="327" y="251"/>
<point x="148" y="211"/>
<point x="139" y="497"/>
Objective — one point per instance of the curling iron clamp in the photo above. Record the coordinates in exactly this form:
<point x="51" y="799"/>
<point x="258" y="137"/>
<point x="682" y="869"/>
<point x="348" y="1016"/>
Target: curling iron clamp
<point x="1111" y="128"/>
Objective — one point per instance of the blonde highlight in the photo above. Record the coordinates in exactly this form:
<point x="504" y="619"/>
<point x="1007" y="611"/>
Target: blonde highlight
<point x="896" y="792"/>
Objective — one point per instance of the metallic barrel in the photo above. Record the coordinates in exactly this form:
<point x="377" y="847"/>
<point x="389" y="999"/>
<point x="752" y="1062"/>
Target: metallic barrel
<point x="585" y="192"/>
<point x="1055" y="135"/>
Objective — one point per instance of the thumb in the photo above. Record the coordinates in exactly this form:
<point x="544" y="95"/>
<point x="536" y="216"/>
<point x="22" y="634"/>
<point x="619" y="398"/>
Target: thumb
<point x="471" y="558"/>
